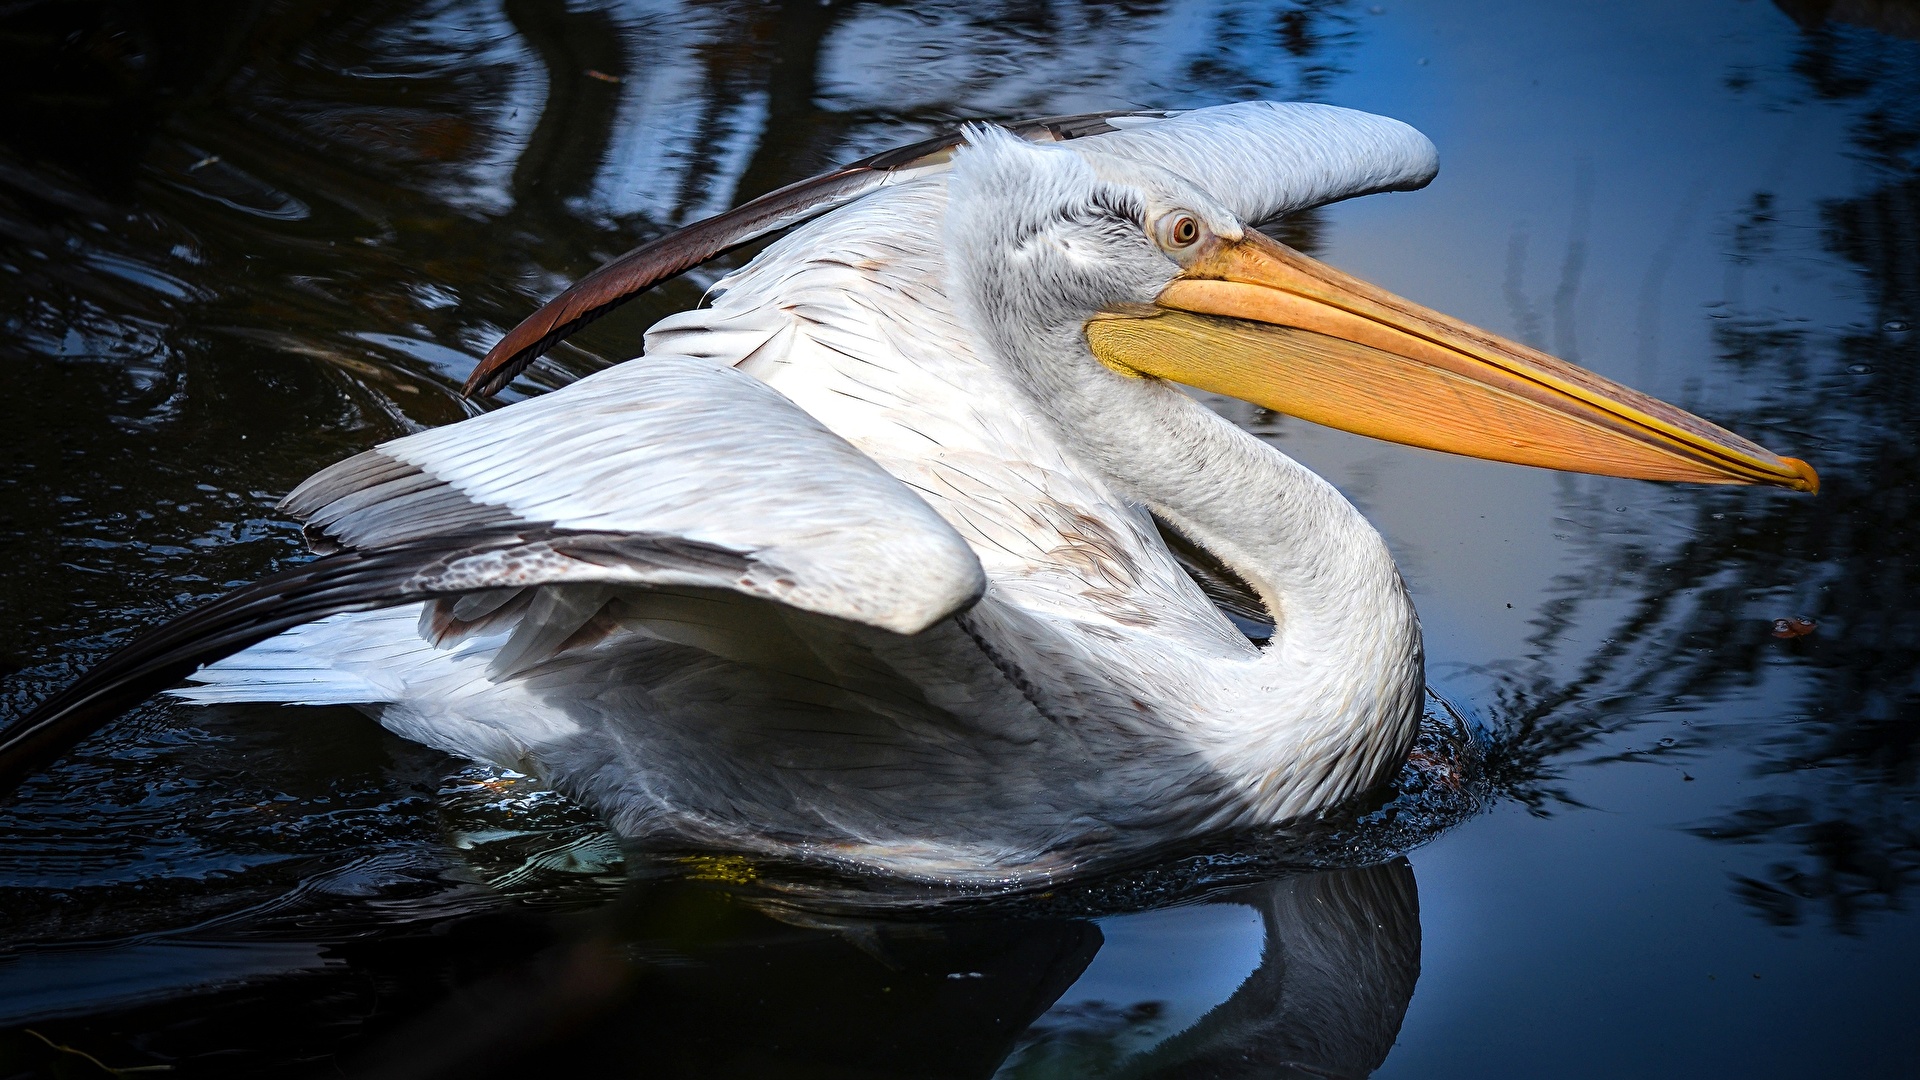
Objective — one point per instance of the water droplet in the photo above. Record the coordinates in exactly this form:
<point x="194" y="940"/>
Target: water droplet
<point x="1859" y="369"/>
<point x="1896" y="326"/>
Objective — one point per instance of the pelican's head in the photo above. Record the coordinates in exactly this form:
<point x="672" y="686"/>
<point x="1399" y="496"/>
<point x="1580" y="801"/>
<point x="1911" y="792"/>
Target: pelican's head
<point x="1098" y="264"/>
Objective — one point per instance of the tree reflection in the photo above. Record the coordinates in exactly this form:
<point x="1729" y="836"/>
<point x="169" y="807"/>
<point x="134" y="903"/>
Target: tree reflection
<point x="1843" y="810"/>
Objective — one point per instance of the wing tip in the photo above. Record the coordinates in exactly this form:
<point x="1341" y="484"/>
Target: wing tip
<point x="517" y="350"/>
<point x="959" y="594"/>
<point x="903" y="578"/>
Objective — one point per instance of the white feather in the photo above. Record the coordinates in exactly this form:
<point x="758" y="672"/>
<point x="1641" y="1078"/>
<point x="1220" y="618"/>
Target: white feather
<point x="1092" y="703"/>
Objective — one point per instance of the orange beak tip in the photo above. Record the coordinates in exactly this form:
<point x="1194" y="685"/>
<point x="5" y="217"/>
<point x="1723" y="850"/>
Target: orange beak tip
<point x="1806" y="473"/>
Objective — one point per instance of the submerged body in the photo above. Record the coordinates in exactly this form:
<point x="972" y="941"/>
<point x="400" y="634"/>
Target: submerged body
<point x="864" y="562"/>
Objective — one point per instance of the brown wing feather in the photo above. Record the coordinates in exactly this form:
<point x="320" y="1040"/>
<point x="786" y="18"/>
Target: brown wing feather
<point x="683" y="249"/>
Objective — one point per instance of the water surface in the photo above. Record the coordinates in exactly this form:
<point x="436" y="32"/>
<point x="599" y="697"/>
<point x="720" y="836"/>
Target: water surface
<point x="239" y="240"/>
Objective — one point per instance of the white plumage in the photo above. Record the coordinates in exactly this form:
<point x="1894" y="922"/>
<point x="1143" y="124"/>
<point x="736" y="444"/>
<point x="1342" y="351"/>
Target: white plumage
<point x="881" y="581"/>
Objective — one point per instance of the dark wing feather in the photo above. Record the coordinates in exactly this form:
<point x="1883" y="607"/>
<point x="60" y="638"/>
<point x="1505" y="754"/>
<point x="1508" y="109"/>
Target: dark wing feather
<point x="333" y="584"/>
<point x="683" y="249"/>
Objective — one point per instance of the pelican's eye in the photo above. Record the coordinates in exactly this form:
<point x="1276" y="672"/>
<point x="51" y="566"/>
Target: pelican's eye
<point x="1178" y="232"/>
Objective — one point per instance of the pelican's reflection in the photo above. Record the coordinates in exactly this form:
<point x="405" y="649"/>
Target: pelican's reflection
<point x="1332" y="968"/>
<point x="1307" y="975"/>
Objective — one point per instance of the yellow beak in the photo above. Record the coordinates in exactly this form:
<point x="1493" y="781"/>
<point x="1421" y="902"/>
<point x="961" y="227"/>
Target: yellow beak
<point x="1256" y="320"/>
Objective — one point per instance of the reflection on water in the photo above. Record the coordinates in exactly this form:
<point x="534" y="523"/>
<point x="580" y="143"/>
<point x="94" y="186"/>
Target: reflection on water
<point x="1699" y="626"/>
<point x="702" y="974"/>
<point x="240" y="240"/>
<point x="1333" y="961"/>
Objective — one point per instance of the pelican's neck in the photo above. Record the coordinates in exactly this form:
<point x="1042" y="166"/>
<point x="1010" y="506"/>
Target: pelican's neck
<point x="1332" y="703"/>
<point x="1323" y="570"/>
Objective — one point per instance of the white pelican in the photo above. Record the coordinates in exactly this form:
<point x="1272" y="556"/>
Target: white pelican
<point x="860" y="561"/>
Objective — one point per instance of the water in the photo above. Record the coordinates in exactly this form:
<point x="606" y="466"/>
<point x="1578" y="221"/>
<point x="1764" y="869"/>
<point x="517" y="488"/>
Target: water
<point x="241" y="240"/>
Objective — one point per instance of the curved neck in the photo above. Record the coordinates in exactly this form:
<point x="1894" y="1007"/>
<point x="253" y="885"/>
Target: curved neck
<point x="1332" y="703"/>
<point x="1324" y="572"/>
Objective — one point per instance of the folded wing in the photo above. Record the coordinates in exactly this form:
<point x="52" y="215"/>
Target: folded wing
<point x="677" y="473"/>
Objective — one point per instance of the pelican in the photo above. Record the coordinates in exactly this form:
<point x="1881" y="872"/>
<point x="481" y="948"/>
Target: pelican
<point x="866" y="561"/>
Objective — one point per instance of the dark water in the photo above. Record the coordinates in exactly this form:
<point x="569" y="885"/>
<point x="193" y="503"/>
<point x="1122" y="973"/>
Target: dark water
<point x="239" y="240"/>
